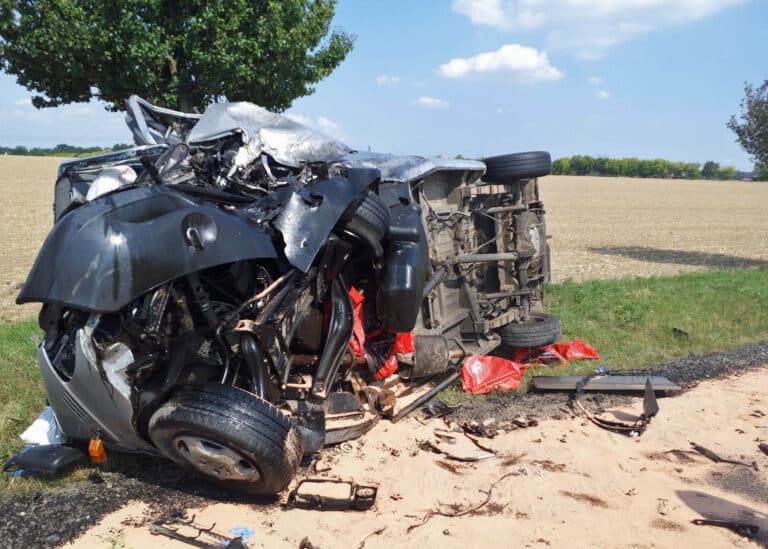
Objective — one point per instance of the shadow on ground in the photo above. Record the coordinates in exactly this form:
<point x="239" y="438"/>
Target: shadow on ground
<point x="682" y="257"/>
<point x="713" y="507"/>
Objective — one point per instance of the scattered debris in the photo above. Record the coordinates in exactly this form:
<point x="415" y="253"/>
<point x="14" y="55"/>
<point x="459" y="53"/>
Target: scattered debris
<point x="48" y="460"/>
<point x="680" y="333"/>
<point x="594" y="501"/>
<point x="457" y="446"/>
<point x="631" y="492"/>
<point x="718" y="459"/>
<point x="742" y="529"/>
<point x="664" y="524"/>
<point x="450" y="467"/>
<point x="603" y="383"/>
<point x="437" y="409"/>
<point x="174" y="526"/>
<point x="44" y="430"/>
<point x="763" y="448"/>
<point x="374" y="533"/>
<point x="458" y="512"/>
<point x="663" y="506"/>
<point x="650" y="409"/>
<point x="306" y="544"/>
<point x="308" y="494"/>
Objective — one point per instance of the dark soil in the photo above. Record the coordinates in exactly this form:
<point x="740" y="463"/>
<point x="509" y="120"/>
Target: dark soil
<point x="53" y="517"/>
<point x="686" y="372"/>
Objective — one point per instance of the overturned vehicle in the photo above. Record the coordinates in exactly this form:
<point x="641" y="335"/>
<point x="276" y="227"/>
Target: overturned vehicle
<point x="239" y="290"/>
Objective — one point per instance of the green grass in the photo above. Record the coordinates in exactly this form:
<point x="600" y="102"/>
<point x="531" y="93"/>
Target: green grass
<point x="630" y="322"/>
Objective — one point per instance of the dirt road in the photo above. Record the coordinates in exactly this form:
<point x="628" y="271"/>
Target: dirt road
<point x="565" y="483"/>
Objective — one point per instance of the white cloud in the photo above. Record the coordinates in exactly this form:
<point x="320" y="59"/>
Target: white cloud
<point x="603" y="94"/>
<point x="387" y="81"/>
<point x="321" y="123"/>
<point x="432" y="102"/>
<point x="588" y="28"/>
<point x="521" y="61"/>
<point x="596" y="80"/>
<point x="24" y="101"/>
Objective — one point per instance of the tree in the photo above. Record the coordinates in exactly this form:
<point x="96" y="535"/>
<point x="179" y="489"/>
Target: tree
<point x="180" y="54"/>
<point x="726" y="172"/>
<point x="709" y="170"/>
<point x="751" y="128"/>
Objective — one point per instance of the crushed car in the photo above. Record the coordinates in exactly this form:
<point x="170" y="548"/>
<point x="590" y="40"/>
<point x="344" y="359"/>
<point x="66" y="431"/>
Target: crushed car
<point x="238" y="290"/>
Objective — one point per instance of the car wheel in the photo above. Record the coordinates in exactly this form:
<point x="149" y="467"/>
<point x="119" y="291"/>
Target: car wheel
<point x="513" y="167"/>
<point x="369" y="221"/>
<point x="232" y="438"/>
<point x="540" y="329"/>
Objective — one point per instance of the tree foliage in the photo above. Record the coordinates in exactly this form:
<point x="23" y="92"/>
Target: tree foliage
<point x="751" y="127"/>
<point x="634" y="167"/>
<point x="177" y="53"/>
<point x="710" y="170"/>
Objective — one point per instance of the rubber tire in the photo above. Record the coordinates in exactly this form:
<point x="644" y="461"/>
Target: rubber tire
<point x="540" y="329"/>
<point x="373" y="211"/>
<point x="508" y="168"/>
<point x="236" y="419"/>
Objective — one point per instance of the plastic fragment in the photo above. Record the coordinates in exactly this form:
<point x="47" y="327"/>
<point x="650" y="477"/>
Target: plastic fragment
<point x="96" y="451"/>
<point x="482" y="374"/>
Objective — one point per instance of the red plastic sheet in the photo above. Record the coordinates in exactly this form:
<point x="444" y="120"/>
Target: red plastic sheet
<point x="380" y="348"/>
<point x="482" y="374"/>
<point x="559" y="352"/>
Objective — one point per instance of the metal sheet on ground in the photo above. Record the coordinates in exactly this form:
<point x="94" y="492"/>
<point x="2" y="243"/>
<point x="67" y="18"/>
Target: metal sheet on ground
<point x="607" y="383"/>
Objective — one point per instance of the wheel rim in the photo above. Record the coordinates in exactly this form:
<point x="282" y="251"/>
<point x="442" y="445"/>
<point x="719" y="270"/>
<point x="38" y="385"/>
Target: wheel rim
<point x="215" y="459"/>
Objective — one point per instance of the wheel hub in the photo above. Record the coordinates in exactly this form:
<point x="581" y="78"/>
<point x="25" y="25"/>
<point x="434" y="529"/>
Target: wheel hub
<point x="215" y="459"/>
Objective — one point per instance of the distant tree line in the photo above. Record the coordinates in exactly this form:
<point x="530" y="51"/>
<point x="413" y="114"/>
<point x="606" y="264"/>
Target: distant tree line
<point x="635" y="167"/>
<point x="61" y="150"/>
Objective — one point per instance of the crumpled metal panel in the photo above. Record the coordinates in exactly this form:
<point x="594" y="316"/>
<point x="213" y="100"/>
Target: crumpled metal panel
<point x="285" y="140"/>
<point x="409" y="168"/>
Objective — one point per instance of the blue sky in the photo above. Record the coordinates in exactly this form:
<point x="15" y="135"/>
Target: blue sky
<point x="646" y="78"/>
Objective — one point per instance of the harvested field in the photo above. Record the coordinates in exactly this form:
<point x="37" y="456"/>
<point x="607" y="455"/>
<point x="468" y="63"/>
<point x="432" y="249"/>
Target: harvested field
<point x="613" y="227"/>
<point x="601" y="227"/>
<point x="26" y="198"/>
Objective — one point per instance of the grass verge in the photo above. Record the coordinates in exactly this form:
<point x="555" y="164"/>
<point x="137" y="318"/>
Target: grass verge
<point x="630" y="322"/>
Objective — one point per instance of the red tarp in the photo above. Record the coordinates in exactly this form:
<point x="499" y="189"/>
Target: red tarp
<point x="483" y="374"/>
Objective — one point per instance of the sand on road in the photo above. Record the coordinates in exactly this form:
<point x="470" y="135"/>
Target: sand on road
<point x="573" y="485"/>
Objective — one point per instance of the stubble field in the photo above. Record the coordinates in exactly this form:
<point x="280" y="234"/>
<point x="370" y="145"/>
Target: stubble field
<point x="600" y="227"/>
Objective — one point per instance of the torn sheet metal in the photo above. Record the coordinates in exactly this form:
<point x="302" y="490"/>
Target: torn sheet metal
<point x="410" y="168"/>
<point x="285" y="140"/>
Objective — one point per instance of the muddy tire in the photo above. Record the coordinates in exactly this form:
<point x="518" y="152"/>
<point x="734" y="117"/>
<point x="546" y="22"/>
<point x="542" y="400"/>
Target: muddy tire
<point x="514" y="167"/>
<point x="540" y="329"/>
<point x="230" y="437"/>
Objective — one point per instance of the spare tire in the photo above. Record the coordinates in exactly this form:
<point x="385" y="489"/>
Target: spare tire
<point x="540" y="329"/>
<point x="513" y="167"/>
<point x="232" y="438"/>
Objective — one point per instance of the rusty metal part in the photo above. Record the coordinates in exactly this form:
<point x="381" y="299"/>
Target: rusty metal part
<point x="171" y="527"/>
<point x="706" y="452"/>
<point x="449" y="378"/>
<point x="741" y="528"/>
<point x="650" y="409"/>
<point x="361" y="497"/>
